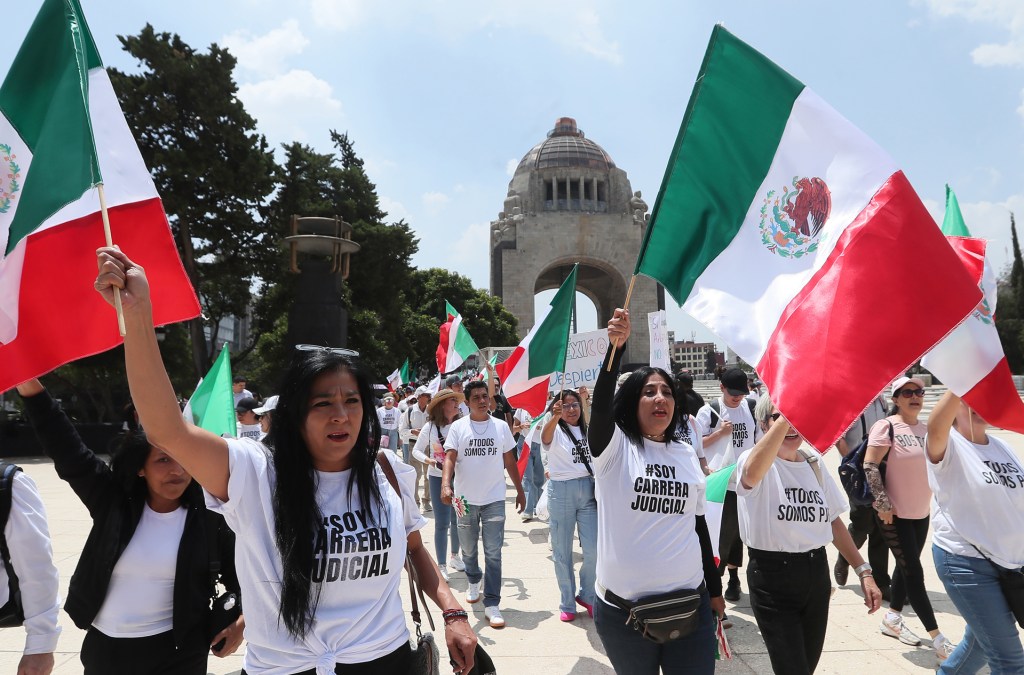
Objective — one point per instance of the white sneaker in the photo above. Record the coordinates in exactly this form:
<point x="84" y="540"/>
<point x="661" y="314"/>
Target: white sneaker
<point x="473" y="592"/>
<point x="426" y="506"/>
<point x="493" y="615"/>
<point x="943" y="649"/>
<point x="893" y="626"/>
<point x="444" y="571"/>
<point x="455" y="562"/>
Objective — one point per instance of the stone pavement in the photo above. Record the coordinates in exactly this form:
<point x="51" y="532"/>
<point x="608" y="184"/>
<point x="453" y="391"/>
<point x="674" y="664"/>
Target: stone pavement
<point x="535" y="641"/>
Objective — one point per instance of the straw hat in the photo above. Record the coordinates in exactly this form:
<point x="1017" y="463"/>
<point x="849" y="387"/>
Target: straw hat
<point x="442" y="396"/>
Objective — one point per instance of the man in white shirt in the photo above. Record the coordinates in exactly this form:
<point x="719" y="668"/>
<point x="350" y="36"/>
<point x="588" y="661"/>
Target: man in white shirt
<point x="248" y="425"/>
<point x="478" y="449"/>
<point x="409" y="425"/>
<point x="728" y="422"/>
<point x="35" y="576"/>
<point x="238" y="388"/>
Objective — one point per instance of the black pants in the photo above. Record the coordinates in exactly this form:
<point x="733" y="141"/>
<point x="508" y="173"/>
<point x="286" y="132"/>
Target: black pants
<point x="398" y="662"/>
<point x="730" y="546"/>
<point x="906" y="538"/>
<point x="153" y="655"/>
<point x="789" y="594"/>
<point x="864" y="526"/>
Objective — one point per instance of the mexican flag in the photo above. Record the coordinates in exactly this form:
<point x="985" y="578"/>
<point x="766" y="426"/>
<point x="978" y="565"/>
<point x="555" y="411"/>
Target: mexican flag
<point x="399" y="377"/>
<point x="212" y="406"/>
<point x="62" y="133"/>
<point x="971" y="361"/>
<point x="717" y="485"/>
<point x="456" y="343"/>
<point x="781" y="227"/>
<point x="524" y="374"/>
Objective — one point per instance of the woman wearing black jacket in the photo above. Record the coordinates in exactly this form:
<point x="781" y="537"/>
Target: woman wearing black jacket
<point x="144" y="581"/>
<point x="653" y="544"/>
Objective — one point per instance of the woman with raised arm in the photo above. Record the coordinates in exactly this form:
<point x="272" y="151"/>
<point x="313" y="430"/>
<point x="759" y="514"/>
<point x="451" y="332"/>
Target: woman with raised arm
<point x="322" y="535"/>
<point x="143" y="583"/>
<point x="977" y="536"/>
<point x="657" y="582"/>
<point x="789" y="508"/>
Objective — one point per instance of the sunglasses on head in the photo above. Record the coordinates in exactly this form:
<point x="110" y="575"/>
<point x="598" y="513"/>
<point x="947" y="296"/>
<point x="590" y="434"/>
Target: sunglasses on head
<point x="340" y="351"/>
<point x="907" y="393"/>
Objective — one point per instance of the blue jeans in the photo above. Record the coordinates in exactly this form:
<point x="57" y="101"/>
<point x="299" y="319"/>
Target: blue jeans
<point x="572" y="504"/>
<point x="533" y="479"/>
<point x="445" y="522"/>
<point x="491" y="519"/>
<point x="991" y="636"/>
<point x="633" y="654"/>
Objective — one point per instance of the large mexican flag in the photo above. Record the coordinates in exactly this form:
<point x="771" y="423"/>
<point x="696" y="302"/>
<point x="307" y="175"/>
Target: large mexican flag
<point x="62" y="133"/>
<point x="785" y="230"/>
<point x="456" y="344"/>
<point x="971" y="361"/>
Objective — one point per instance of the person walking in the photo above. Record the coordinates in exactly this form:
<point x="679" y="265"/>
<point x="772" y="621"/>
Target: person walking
<point x="902" y="504"/>
<point x="143" y="583"/>
<point x="653" y="543"/>
<point x="789" y="510"/>
<point x="442" y="410"/>
<point x="478" y="451"/>
<point x="571" y="502"/>
<point x="977" y="538"/>
<point x="322" y="534"/>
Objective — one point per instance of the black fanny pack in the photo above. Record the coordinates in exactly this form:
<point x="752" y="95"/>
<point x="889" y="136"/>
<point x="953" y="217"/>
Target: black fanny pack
<point x="1012" y="583"/>
<point x="665" y="617"/>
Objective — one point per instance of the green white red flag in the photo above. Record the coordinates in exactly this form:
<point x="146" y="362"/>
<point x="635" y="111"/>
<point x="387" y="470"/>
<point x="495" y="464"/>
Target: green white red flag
<point x="970" y="361"/>
<point x="717" y="485"/>
<point x="61" y="132"/>
<point x="399" y="377"/>
<point x="456" y="344"/>
<point x="780" y="225"/>
<point x="524" y="374"/>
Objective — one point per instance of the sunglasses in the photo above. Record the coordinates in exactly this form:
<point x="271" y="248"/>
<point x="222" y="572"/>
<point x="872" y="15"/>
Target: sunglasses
<point x="570" y="406"/>
<point x="776" y="416"/>
<point x="340" y="351"/>
<point x="907" y="393"/>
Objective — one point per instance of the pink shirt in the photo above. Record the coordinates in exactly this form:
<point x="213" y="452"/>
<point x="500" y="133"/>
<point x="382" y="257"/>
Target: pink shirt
<point x="906" y="473"/>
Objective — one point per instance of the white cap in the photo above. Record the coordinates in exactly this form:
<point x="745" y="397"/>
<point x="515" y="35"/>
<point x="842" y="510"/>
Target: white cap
<point x="900" y="382"/>
<point x="268" y="405"/>
<point x="422" y="391"/>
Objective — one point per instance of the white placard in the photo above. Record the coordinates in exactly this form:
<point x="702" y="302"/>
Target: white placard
<point x="583" y="360"/>
<point x="658" y="324"/>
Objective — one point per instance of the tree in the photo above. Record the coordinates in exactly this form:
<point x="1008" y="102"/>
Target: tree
<point x="212" y="170"/>
<point x="710" y="361"/>
<point x="1009" y="317"/>
<point x="487" y="320"/>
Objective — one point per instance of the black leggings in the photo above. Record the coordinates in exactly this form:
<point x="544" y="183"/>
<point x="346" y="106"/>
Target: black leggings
<point x="398" y="662"/>
<point x="905" y="538"/>
<point x="151" y="655"/>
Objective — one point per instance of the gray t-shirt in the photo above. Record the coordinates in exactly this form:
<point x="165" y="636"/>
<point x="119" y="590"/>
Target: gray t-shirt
<point x="856" y="433"/>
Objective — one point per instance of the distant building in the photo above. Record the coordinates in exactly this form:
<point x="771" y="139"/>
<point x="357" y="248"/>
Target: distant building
<point x="693" y="356"/>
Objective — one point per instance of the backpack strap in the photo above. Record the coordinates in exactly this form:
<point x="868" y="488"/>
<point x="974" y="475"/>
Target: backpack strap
<point x="751" y="404"/>
<point x="715" y="408"/>
<point x="812" y="458"/>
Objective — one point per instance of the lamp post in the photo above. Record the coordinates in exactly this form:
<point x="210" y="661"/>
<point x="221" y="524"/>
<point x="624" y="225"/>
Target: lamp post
<point x="320" y="251"/>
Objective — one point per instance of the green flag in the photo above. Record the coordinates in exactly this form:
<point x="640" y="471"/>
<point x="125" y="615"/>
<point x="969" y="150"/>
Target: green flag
<point x="953" y="224"/>
<point x="212" y="406"/>
<point x="718" y="481"/>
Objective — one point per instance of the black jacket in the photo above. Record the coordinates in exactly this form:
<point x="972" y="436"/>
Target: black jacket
<point x="115" y="514"/>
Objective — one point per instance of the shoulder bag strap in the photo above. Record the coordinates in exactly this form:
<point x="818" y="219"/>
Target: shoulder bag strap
<point x="811" y="457"/>
<point x="410" y="570"/>
<point x="564" y="426"/>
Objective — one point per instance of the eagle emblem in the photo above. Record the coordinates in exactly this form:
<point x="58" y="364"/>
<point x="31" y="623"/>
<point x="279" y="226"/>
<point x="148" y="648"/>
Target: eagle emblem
<point x="10" y="172"/>
<point x="792" y="219"/>
<point x="983" y="312"/>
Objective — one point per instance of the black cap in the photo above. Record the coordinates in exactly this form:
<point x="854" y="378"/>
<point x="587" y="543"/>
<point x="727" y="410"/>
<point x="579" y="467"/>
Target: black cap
<point x="735" y="381"/>
<point x="247" y="403"/>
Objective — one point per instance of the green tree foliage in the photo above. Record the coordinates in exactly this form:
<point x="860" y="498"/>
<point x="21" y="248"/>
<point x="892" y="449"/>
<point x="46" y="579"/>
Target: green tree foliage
<point x="212" y="169"/>
<point x="487" y="320"/>
<point x="1010" y="307"/>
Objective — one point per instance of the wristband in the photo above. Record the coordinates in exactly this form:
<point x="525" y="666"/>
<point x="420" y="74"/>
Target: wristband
<point x="862" y="570"/>
<point x="452" y="615"/>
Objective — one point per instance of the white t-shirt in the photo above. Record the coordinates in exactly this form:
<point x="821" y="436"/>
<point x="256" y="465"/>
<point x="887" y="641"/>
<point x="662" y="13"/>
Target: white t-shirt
<point x="979" y="492"/>
<point x="429" y="448"/>
<point x="648" y="498"/>
<point x="723" y="452"/>
<point x="28" y="538"/>
<point x="479" y="462"/>
<point x="787" y="511"/>
<point x="693" y="434"/>
<point x="245" y="393"/>
<point x="253" y="431"/>
<point x="565" y="460"/>
<point x="358" y="561"/>
<point x="140" y="598"/>
<point x="388" y="418"/>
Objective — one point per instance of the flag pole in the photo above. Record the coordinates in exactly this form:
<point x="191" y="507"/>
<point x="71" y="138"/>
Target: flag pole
<point x="110" y="243"/>
<point x="625" y="305"/>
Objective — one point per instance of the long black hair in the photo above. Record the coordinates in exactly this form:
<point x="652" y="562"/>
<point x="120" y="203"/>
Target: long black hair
<point x="128" y="454"/>
<point x="627" y="401"/>
<point x="297" y="516"/>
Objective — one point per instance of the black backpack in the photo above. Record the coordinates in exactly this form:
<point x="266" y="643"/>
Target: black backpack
<point x="851" y="470"/>
<point x="11" y="614"/>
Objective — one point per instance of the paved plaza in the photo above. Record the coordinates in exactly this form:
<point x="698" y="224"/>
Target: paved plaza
<point x="535" y="641"/>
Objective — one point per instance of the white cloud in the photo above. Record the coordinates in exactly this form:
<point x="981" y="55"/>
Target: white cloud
<point x="1006" y="14"/>
<point x="1020" y="110"/>
<point x="434" y="202"/>
<point x="1009" y="54"/>
<point x="266" y="54"/>
<point x="339" y="14"/>
<point x="395" y="209"/>
<point x="511" y="165"/>
<point x="468" y="254"/>
<point x="288" y="106"/>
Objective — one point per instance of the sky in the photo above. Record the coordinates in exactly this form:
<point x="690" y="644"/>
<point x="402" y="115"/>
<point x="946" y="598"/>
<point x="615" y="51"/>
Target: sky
<point x="442" y="99"/>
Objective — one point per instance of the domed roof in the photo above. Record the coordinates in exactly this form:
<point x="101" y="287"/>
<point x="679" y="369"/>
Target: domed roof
<point x="566" y="146"/>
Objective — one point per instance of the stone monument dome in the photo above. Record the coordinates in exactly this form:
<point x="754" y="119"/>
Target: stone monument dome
<point x="568" y="202"/>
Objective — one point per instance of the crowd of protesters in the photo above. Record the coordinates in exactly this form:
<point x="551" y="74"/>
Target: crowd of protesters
<point x="305" y="515"/>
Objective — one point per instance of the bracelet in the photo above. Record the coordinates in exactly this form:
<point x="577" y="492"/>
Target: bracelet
<point x="861" y="569"/>
<point x="452" y="615"/>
